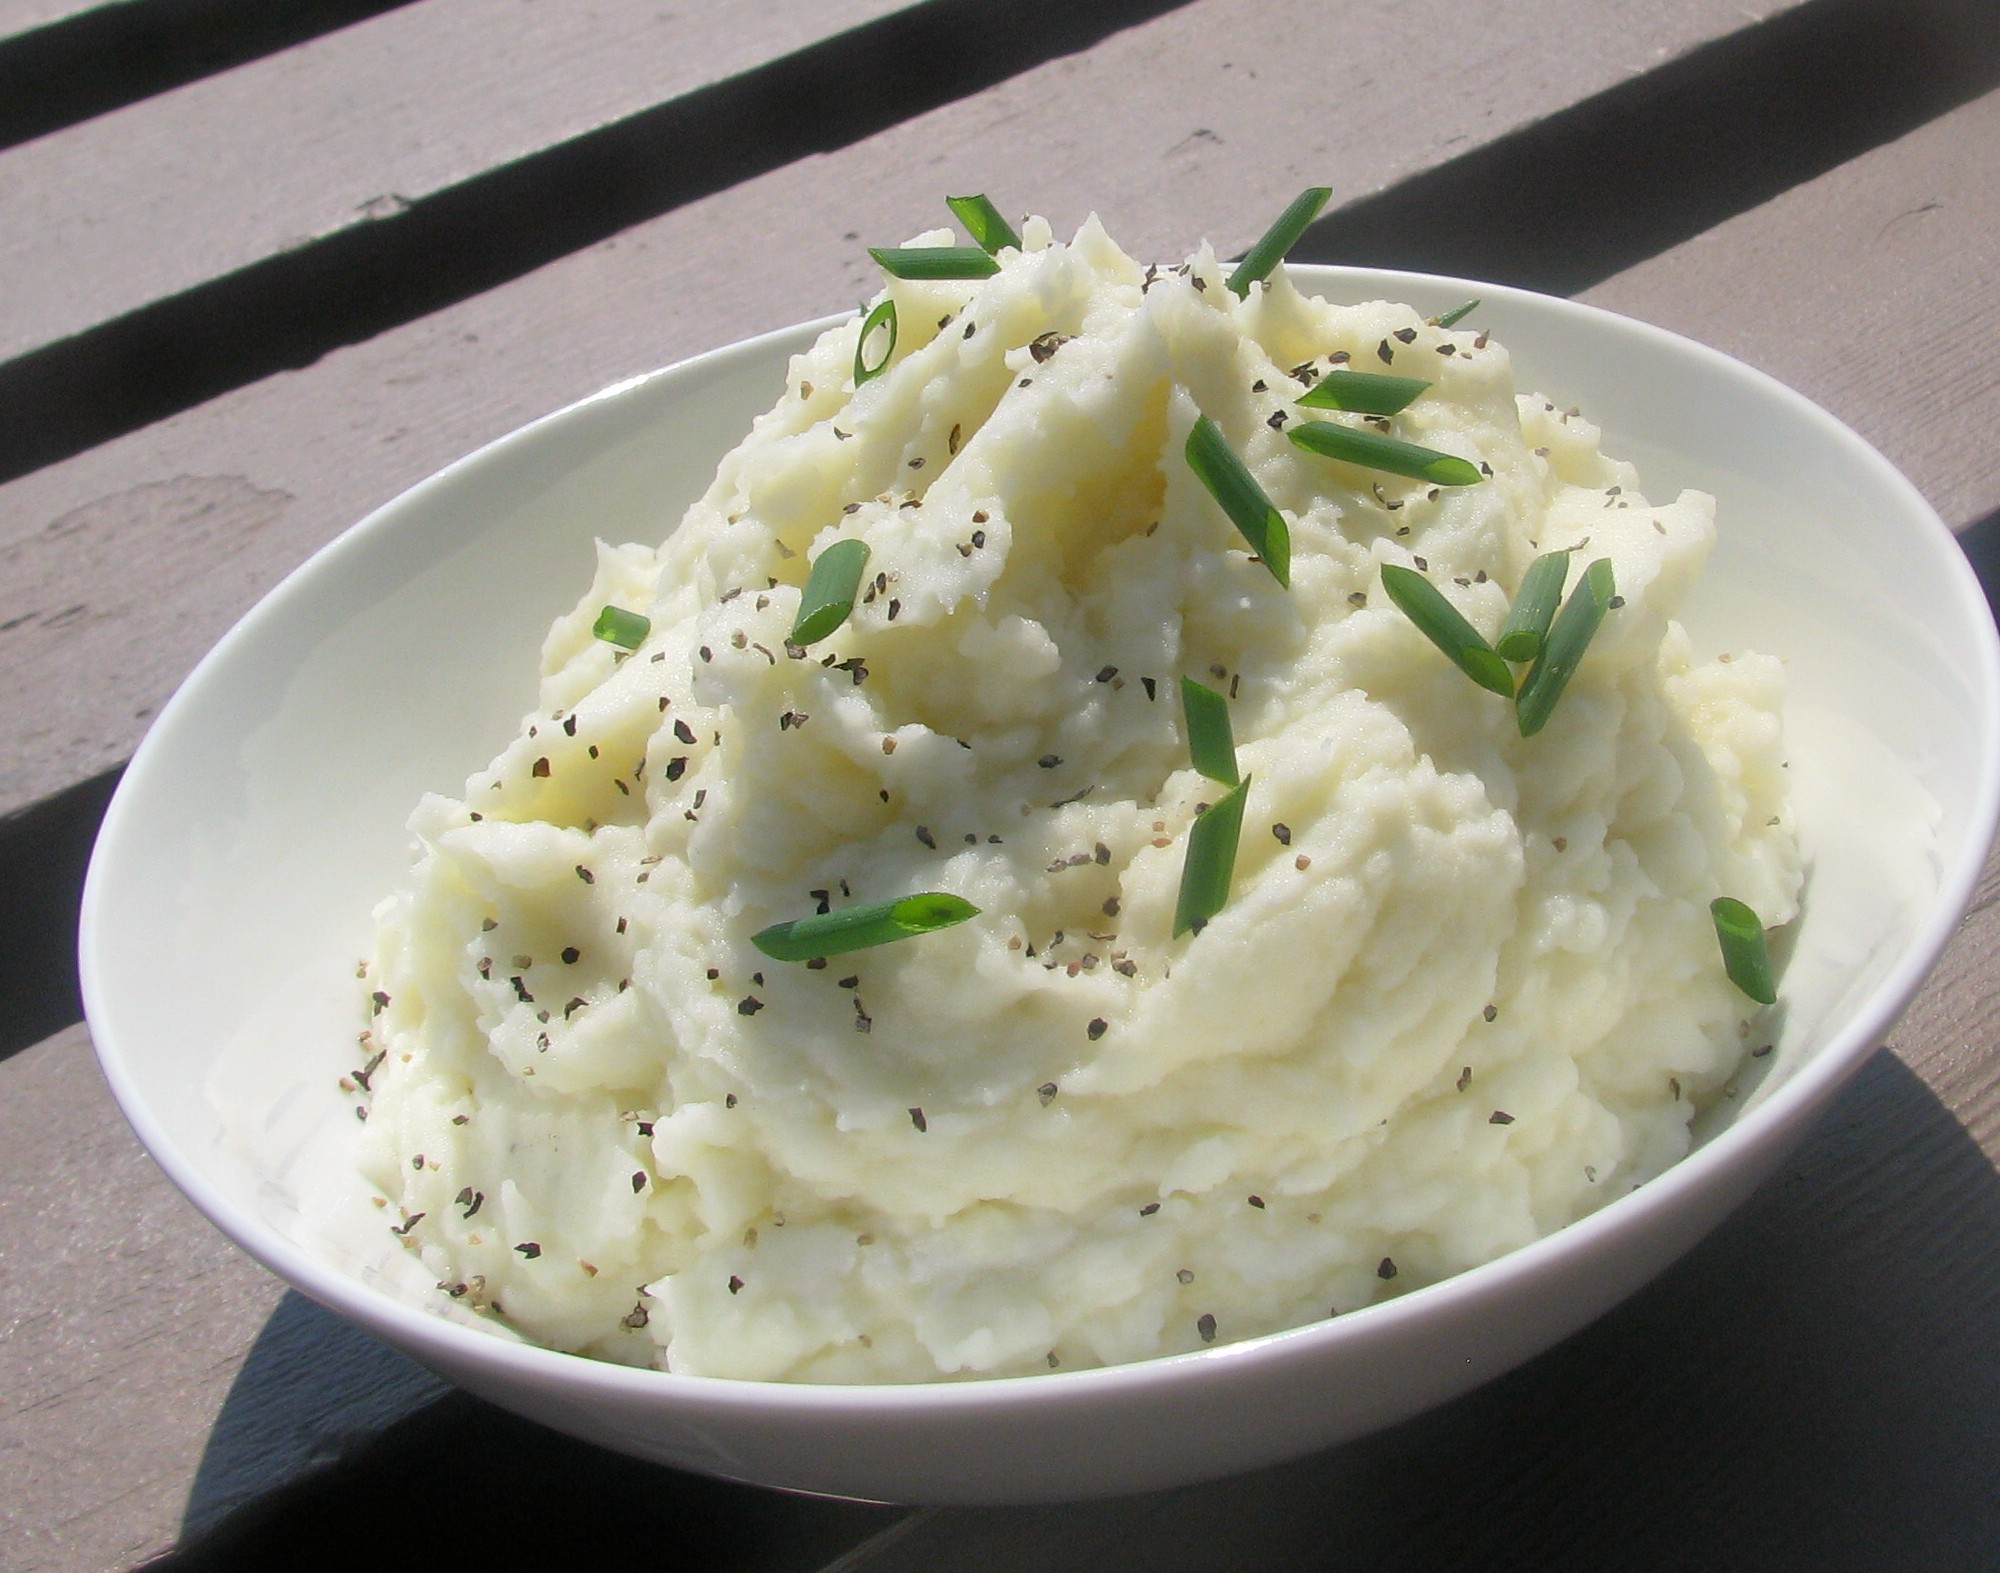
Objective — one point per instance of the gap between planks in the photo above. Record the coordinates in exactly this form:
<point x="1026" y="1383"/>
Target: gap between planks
<point x="161" y="293"/>
<point x="65" y="61"/>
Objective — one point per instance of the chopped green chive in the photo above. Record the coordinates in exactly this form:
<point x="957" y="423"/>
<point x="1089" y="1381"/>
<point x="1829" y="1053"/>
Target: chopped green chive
<point x="883" y="316"/>
<point x="1278" y="239"/>
<point x="983" y="222"/>
<point x="1215" y="463"/>
<point x="934" y="262"/>
<point x="627" y="630"/>
<point x="1745" y="956"/>
<point x="1528" y="621"/>
<point x="863" y="927"/>
<point x="1564" y="647"/>
<point x="1211" y="744"/>
<point x="1373" y="451"/>
<point x="1211" y="861"/>
<point x="1443" y="624"/>
<point x="1456" y="315"/>
<point x="1363" y="393"/>
<point x="829" y="593"/>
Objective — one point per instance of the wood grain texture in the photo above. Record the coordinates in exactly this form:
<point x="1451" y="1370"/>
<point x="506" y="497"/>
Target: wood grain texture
<point x="1870" y="290"/>
<point x="127" y="1329"/>
<point x="291" y="460"/>
<point x="63" y="63"/>
<point x="107" y="216"/>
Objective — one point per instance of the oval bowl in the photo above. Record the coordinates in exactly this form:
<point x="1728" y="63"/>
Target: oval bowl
<point x="263" y="816"/>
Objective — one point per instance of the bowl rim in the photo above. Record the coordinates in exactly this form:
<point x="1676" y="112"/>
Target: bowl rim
<point x="1774" y="1122"/>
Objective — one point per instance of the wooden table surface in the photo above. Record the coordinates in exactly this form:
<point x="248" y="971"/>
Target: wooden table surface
<point x="266" y="266"/>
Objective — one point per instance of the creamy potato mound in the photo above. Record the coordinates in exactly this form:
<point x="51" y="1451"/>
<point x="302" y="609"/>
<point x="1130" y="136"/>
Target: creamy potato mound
<point x="1465" y="988"/>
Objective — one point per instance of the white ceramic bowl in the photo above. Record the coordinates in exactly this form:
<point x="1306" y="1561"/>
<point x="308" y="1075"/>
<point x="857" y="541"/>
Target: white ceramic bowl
<point x="264" y="815"/>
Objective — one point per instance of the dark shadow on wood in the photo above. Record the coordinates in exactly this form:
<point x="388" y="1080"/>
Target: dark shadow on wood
<point x="117" y="54"/>
<point x="1594" y="189"/>
<point x="44" y="851"/>
<point x="311" y="1454"/>
<point x="290" y="309"/>
<point x="311" y="1389"/>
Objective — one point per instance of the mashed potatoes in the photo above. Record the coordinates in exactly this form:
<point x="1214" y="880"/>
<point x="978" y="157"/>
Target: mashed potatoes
<point x="1465" y="988"/>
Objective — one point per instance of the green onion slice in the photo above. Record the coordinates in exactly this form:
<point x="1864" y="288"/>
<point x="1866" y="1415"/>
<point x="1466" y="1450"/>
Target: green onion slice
<point x="863" y="927"/>
<point x="829" y="593"/>
<point x="1363" y="393"/>
<point x="1211" y="860"/>
<point x="1745" y="956"/>
<point x="883" y="316"/>
<point x="1443" y="624"/>
<point x="1456" y="315"/>
<point x="1528" y="620"/>
<point x="1564" y="647"/>
<point x="627" y="630"/>
<point x="1215" y="463"/>
<point x="983" y="222"/>
<point x="1211" y="744"/>
<point x="935" y="262"/>
<point x="1278" y="239"/>
<point x="1391" y="455"/>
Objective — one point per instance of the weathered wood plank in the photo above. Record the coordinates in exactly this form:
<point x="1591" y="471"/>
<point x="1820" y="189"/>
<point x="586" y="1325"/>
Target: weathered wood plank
<point x="220" y="501"/>
<point x="108" y="216"/>
<point x="64" y="61"/>
<point x="126" y="1328"/>
<point x="1871" y="291"/>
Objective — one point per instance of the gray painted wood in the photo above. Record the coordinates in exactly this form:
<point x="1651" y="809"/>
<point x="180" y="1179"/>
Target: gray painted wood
<point x="142" y="203"/>
<point x="1871" y="291"/>
<point x="154" y="1377"/>
<point x="221" y="501"/>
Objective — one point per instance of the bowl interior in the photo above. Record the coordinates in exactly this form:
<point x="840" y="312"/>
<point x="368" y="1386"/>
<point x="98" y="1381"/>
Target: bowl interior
<point x="230" y="895"/>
